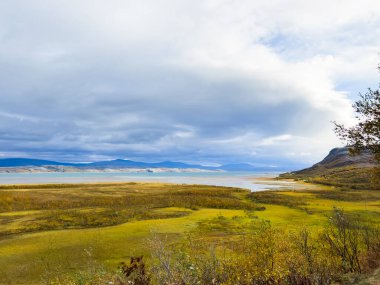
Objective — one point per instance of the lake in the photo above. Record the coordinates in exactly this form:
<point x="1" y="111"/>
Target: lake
<point x="257" y="181"/>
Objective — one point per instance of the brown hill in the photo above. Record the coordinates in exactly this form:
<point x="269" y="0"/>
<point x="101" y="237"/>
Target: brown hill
<point x="340" y="168"/>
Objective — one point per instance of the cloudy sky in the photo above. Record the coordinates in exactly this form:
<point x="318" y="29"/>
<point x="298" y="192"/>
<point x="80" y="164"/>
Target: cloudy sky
<point x="204" y="81"/>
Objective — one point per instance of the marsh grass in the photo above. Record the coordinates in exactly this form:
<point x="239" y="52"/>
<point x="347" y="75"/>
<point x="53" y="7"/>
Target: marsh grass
<point x="277" y="198"/>
<point x="66" y="206"/>
<point x="47" y="229"/>
<point x="348" y="195"/>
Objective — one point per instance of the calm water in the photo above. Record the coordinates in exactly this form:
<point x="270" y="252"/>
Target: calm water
<point x="252" y="181"/>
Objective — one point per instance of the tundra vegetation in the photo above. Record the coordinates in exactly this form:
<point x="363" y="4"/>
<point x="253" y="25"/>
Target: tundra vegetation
<point x="147" y="233"/>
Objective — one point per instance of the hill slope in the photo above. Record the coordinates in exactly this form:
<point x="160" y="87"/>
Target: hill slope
<point x="340" y="168"/>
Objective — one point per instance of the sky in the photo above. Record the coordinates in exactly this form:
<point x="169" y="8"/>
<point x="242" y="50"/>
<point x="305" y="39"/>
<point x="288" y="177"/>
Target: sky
<point x="201" y="81"/>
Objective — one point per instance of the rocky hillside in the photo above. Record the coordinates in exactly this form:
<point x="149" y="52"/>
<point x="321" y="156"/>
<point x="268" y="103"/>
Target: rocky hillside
<point x="341" y="157"/>
<point x="340" y="168"/>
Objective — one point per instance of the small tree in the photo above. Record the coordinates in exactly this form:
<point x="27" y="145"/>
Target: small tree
<point x="366" y="134"/>
<point x="343" y="235"/>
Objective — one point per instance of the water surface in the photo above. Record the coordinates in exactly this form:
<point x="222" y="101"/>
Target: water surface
<point x="256" y="181"/>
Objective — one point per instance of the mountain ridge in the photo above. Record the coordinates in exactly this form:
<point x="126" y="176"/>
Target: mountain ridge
<point x="124" y="164"/>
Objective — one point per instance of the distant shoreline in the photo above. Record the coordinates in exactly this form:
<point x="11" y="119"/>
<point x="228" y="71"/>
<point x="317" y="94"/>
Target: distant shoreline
<point x="64" y="169"/>
<point x="252" y="181"/>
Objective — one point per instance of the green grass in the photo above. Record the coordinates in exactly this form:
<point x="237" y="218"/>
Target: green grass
<point x="24" y="258"/>
<point x="57" y="229"/>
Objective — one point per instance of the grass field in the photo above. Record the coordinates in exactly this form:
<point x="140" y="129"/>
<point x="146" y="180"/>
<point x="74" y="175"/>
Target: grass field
<point x="52" y="230"/>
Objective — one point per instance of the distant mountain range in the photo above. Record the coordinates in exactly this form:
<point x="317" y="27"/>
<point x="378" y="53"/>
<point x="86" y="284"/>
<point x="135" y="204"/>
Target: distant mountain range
<point x="27" y="163"/>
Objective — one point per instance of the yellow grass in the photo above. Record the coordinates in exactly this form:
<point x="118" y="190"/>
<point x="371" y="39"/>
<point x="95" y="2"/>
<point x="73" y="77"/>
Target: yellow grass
<point x="126" y="214"/>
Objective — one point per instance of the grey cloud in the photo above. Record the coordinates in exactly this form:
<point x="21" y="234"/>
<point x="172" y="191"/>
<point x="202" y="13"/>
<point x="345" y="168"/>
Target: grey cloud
<point x="83" y="82"/>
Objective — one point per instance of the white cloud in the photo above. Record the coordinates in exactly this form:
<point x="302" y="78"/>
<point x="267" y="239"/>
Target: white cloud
<point x="274" y="140"/>
<point x="211" y="81"/>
